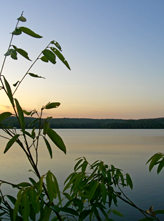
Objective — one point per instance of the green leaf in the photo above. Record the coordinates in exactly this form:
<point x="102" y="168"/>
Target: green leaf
<point x="9" y="92"/>
<point x="11" y="142"/>
<point x="49" y="55"/>
<point x="11" y="198"/>
<point x="57" y="45"/>
<point x="19" y="198"/>
<point x="24" y="184"/>
<point x="35" y="75"/>
<point x="25" y="207"/>
<point x="84" y="214"/>
<point x="56" y="187"/>
<point x="13" y="54"/>
<point x="56" y="139"/>
<point x="60" y="56"/>
<point x="129" y="181"/>
<point x="22" y="18"/>
<point x="161" y="165"/>
<point x="117" y="213"/>
<point x="29" y="32"/>
<point x="39" y="187"/>
<point x="22" y="52"/>
<point x="104" y="192"/>
<point x="43" y="58"/>
<point x="48" y="147"/>
<point x="78" y="203"/>
<point x="15" y="84"/>
<point x="93" y="190"/>
<point x="33" y="200"/>
<point x="27" y="112"/>
<point x="5" y="115"/>
<point x="33" y="133"/>
<point x="52" y="105"/>
<point x="32" y="181"/>
<point x="154" y="160"/>
<point x="69" y="210"/>
<point x="28" y="134"/>
<point x="47" y="213"/>
<point x="17" y="31"/>
<point x="67" y="65"/>
<point x="55" y="208"/>
<point x="159" y="212"/>
<point x="20" y="115"/>
<point x="46" y="127"/>
<point x="50" y="189"/>
<point x="77" y="164"/>
<point x="33" y="122"/>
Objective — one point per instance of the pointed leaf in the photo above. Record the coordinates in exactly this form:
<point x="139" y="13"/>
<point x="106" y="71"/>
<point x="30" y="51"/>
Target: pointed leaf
<point x="117" y="213"/>
<point x="27" y="112"/>
<point x="43" y="58"/>
<point x="11" y="142"/>
<point x="129" y="181"/>
<point x="33" y="122"/>
<point x="56" y="187"/>
<point x="35" y="75"/>
<point x="29" y="32"/>
<point x="52" y="105"/>
<point x="25" y="207"/>
<point x="69" y="210"/>
<point x="15" y="84"/>
<point x="12" y="199"/>
<point x="55" y="208"/>
<point x="48" y="147"/>
<point x="5" y="115"/>
<point x="161" y="165"/>
<point x="13" y="54"/>
<point x="9" y="52"/>
<point x="22" y="18"/>
<point x="9" y="92"/>
<point x="93" y="190"/>
<point x="49" y="55"/>
<point x="19" y="198"/>
<point x="20" y="115"/>
<point x="22" y="52"/>
<point x="50" y="189"/>
<point x="60" y="56"/>
<point x="56" y="139"/>
<point x="17" y="31"/>
<point x="46" y="127"/>
<point x="32" y="181"/>
<point x="67" y="65"/>
<point x="154" y="160"/>
<point x="57" y="45"/>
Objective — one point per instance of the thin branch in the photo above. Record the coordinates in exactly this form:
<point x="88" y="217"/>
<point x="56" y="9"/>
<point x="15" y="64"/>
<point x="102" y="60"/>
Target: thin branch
<point x="9" y="47"/>
<point x="28" y="70"/>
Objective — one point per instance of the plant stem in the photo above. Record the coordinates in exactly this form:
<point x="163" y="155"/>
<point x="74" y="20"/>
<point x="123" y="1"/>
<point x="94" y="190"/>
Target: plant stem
<point x="28" y="70"/>
<point x="8" y="48"/>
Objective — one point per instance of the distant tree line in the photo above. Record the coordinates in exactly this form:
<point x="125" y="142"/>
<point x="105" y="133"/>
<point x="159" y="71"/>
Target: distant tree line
<point x="86" y="123"/>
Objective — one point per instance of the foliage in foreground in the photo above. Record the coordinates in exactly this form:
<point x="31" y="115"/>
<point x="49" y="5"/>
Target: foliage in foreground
<point x="89" y="192"/>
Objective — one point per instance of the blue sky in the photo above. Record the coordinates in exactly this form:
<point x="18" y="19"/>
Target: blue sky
<point x="115" y="50"/>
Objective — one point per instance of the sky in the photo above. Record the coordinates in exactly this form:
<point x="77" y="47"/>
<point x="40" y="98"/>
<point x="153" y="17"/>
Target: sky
<point x="115" y="50"/>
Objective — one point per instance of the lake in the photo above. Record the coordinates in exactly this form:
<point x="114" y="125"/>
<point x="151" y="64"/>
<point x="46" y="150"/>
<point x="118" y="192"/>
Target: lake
<point x="124" y="148"/>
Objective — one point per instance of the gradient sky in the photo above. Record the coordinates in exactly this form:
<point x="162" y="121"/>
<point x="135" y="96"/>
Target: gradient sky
<point x="115" y="50"/>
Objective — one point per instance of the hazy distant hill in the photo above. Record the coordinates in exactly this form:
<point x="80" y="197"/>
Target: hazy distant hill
<point x="155" y="123"/>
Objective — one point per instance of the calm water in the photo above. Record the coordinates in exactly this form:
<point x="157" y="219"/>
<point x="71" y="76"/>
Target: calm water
<point x="125" y="149"/>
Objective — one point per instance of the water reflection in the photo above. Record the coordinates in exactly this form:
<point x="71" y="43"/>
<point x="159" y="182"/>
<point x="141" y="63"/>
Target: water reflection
<point x="126" y="149"/>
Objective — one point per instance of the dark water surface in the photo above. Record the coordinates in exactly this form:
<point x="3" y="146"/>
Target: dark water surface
<point x="125" y="149"/>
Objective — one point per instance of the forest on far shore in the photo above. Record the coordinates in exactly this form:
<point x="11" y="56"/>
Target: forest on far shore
<point x="86" y="123"/>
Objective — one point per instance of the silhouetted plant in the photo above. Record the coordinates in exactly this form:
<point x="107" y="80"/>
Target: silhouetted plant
<point x="89" y="191"/>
